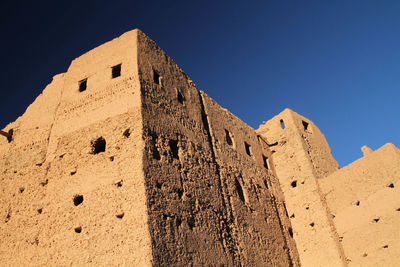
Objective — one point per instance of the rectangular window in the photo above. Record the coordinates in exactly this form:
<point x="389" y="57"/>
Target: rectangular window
<point x="116" y="71"/>
<point x="82" y="85"/>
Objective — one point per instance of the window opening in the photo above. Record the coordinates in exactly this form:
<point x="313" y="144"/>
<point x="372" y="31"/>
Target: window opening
<point x="116" y="71"/>
<point x="248" y="148"/>
<point x="82" y="85"/>
<point x="282" y="124"/>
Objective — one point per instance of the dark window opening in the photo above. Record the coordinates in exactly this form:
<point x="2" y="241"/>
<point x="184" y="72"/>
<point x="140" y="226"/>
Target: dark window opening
<point x="294" y="183"/>
<point x="248" y="148"/>
<point x="156" y="77"/>
<point x="312" y="224"/>
<point x="391" y="185"/>
<point x="292" y="216"/>
<point x="291" y="232"/>
<point x="305" y="125"/>
<point x="376" y="220"/>
<point x="40" y="211"/>
<point x="98" y="145"/>
<point x="385" y="246"/>
<point x="10" y="135"/>
<point x="21" y="189"/>
<point x="127" y="133"/>
<point x="282" y="124"/>
<point x="78" y="229"/>
<point x="358" y="203"/>
<point x="82" y="85"/>
<point x="228" y="138"/>
<point x="116" y="71"/>
<point x="173" y="144"/>
<point x="266" y="162"/>
<point x="179" y="96"/>
<point x="78" y="199"/>
<point x="73" y="172"/>
<point x="239" y="190"/>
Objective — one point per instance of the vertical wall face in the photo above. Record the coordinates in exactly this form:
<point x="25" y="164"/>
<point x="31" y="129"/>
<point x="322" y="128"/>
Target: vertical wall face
<point x="86" y="203"/>
<point x="298" y="148"/>
<point x="187" y="217"/>
<point x="262" y="237"/>
<point x="205" y="208"/>
<point x="364" y="198"/>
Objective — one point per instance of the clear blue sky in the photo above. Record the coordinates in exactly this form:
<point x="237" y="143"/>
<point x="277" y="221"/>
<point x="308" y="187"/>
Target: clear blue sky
<point x="335" y="62"/>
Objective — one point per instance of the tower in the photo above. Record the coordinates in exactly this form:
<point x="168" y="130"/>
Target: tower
<point x="121" y="160"/>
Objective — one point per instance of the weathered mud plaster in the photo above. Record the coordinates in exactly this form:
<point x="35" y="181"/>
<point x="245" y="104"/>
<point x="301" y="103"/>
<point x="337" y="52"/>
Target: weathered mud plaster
<point x="122" y="161"/>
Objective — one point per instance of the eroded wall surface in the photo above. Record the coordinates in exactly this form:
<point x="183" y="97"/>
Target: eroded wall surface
<point x="301" y="157"/>
<point x="72" y="182"/>
<point x="203" y="208"/>
<point x="364" y="200"/>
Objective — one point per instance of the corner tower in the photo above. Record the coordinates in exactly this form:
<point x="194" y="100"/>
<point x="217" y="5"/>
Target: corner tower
<point x="301" y="156"/>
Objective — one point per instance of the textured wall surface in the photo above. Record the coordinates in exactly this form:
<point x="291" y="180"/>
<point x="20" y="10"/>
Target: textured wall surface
<point x="364" y="198"/>
<point x="301" y="156"/>
<point x="117" y="162"/>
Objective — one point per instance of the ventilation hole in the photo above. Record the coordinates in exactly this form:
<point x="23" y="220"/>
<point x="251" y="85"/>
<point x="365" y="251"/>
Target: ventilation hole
<point x="305" y="125"/>
<point x="191" y="223"/>
<point x="282" y="124"/>
<point x="239" y="190"/>
<point x="266" y="162"/>
<point x="156" y="77"/>
<point x="385" y="246"/>
<point x="15" y="171"/>
<point x="312" y="224"/>
<point x="248" y="148"/>
<point x="78" y="229"/>
<point x="116" y="71"/>
<point x="228" y="138"/>
<point x="292" y="216"/>
<point x="112" y="158"/>
<point x="173" y="145"/>
<point x="78" y="199"/>
<point x="391" y="185"/>
<point x="291" y="232"/>
<point x="39" y="164"/>
<point x="119" y="183"/>
<point x="307" y="208"/>
<point x="178" y="222"/>
<point x="120" y="215"/>
<point x="10" y="135"/>
<point x="82" y="85"/>
<point x="127" y="133"/>
<point x="333" y="216"/>
<point x="376" y="220"/>
<point x="61" y="156"/>
<point x="98" y="145"/>
<point x="266" y="184"/>
<point x="21" y="189"/>
<point x="358" y="203"/>
<point x="158" y="185"/>
<point x="44" y="183"/>
<point x="294" y="183"/>
<point x="180" y="193"/>
<point x="398" y="209"/>
<point x="365" y="255"/>
<point x="40" y="211"/>
<point x="179" y="96"/>
<point x="73" y="172"/>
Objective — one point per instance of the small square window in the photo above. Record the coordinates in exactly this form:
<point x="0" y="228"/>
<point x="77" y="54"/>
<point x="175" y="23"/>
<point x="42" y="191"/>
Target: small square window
<point x="82" y="85"/>
<point x="116" y="71"/>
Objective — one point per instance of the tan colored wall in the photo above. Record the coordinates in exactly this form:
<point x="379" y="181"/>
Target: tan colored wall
<point x="40" y="221"/>
<point x="361" y="193"/>
<point x="256" y="224"/>
<point x="300" y="158"/>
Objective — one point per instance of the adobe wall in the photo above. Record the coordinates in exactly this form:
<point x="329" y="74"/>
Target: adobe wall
<point x="62" y="204"/>
<point x="301" y="157"/>
<point x="245" y="181"/>
<point x="203" y="208"/>
<point x="364" y="200"/>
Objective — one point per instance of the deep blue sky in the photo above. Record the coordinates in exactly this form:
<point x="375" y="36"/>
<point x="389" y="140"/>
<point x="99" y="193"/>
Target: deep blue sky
<point x="335" y="62"/>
